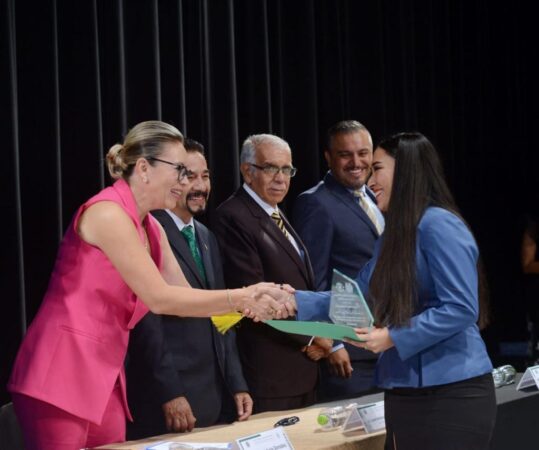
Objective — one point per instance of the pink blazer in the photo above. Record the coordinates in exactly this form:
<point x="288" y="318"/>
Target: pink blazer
<point x="74" y="350"/>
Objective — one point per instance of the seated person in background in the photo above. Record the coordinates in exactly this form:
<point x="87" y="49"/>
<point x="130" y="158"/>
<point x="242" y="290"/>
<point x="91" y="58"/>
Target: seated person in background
<point x="182" y="370"/>
<point x="428" y="300"/>
<point x="530" y="268"/>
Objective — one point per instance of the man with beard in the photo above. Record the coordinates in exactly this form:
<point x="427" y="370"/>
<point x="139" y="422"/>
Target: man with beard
<point x="182" y="367"/>
<point x="339" y="223"/>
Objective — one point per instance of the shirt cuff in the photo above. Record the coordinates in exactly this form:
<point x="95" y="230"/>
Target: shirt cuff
<point x="337" y="347"/>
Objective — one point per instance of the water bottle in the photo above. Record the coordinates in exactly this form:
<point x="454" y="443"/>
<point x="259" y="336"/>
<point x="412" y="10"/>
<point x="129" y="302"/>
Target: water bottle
<point x="332" y="418"/>
<point x="503" y="375"/>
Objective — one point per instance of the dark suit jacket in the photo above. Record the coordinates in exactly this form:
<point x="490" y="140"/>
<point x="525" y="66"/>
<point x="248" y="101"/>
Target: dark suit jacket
<point x="338" y="235"/>
<point x="254" y="250"/>
<point x="335" y="230"/>
<point x="171" y="356"/>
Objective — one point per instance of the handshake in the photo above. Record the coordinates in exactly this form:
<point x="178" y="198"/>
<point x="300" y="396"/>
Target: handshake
<point x="264" y="301"/>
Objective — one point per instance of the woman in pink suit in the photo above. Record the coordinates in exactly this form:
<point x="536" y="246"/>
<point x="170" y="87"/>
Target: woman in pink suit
<point x="114" y="264"/>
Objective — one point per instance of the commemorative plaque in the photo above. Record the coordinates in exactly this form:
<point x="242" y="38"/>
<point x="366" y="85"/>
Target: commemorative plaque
<point x="348" y="306"/>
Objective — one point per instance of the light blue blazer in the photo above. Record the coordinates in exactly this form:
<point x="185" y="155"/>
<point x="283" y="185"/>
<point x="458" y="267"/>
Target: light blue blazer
<point x="442" y="344"/>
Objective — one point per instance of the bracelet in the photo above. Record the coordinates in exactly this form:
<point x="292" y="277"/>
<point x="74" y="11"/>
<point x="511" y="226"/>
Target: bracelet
<point x="229" y="299"/>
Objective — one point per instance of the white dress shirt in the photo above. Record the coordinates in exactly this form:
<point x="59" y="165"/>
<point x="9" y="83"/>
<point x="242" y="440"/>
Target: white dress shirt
<point x="269" y="211"/>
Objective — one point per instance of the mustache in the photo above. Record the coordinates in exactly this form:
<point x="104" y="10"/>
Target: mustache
<point x="198" y="193"/>
<point x="356" y="167"/>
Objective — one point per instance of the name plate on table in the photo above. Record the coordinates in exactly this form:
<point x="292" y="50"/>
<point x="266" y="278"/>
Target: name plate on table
<point x="370" y="417"/>
<point x="530" y="378"/>
<point x="274" y="439"/>
<point x="348" y="306"/>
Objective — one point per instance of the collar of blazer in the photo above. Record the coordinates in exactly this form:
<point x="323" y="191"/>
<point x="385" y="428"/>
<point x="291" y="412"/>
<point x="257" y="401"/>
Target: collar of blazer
<point x="267" y="223"/>
<point x="179" y="245"/>
<point x="347" y="198"/>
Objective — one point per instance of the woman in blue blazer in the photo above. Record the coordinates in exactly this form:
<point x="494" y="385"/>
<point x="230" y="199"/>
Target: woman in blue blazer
<point x="426" y="291"/>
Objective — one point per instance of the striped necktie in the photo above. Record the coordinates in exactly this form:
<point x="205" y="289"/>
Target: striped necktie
<point x="366" y="206"/>
<point x="280" y="223"/>
<point x="189" y="235"/>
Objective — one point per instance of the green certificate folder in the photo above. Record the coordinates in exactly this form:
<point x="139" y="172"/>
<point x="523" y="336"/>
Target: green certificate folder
<point x="322" y="329"/>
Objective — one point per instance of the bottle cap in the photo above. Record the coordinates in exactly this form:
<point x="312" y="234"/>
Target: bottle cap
<point x="322" y="419"/>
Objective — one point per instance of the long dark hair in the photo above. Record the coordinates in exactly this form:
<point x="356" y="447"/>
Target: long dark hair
<point x="418" y="183"/>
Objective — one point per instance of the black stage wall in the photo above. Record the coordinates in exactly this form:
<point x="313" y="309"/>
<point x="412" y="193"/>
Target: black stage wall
<point x="75" y="75"/>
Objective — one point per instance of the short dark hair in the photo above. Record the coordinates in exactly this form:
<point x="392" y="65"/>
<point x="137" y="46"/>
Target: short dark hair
<point x="193" y="146"/>
<point x="343" y="127"/>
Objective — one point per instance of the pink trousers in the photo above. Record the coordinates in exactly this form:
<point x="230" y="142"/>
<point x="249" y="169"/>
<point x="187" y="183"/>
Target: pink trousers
<point x="46" y="427"/>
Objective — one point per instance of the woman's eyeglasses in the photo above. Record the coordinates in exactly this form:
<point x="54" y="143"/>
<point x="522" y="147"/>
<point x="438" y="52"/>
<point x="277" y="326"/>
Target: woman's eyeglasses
<point x="182" y="170"/>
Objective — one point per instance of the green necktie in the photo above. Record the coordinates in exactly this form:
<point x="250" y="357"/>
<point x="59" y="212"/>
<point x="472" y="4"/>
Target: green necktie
<point x="189" y="235"/>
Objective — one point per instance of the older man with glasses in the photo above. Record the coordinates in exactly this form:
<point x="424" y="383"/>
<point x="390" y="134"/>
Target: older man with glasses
<point x="258" y="243"/>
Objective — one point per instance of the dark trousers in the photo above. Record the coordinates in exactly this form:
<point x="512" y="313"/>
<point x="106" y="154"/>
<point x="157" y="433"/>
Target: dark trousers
<point x="149" y="419"/>
<point x="332" y="387"/>
<point x="455" y="416"/>
<point x="262" y="404"/>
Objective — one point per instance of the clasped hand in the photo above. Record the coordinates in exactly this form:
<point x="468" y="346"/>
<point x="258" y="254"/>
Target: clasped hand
<point x="318" y="349"/>
<point x="264" y="301"/>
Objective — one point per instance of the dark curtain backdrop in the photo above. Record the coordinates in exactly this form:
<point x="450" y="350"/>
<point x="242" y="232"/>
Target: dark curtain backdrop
<point x="75" y="75"/>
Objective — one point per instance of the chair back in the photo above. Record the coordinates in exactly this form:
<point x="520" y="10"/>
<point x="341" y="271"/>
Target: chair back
<point x="10" y="431"/>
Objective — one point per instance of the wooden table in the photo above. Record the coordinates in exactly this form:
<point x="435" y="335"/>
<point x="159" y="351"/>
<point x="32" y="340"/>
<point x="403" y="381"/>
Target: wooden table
<point x="516" y="426"/>
<point x="304" y="435"/>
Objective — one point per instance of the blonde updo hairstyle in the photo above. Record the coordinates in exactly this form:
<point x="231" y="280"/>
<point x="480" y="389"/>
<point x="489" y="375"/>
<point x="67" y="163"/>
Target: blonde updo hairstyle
<point x="144" y="140"/>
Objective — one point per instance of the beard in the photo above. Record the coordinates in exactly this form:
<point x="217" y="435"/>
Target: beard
<point x="200" y="208"/>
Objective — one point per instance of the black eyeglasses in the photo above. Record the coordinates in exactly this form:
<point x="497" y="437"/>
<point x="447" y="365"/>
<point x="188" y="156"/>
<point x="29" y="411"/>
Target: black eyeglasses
<point x="269" y="169"/>
<point x="182" y="170"/>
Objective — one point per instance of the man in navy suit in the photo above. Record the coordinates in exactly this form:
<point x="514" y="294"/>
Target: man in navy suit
<point x="181" y="369"/>
<point x="339" y="223"/>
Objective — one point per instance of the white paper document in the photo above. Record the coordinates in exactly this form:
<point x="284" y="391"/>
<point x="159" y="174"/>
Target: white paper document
<point x="274" y="439"/>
